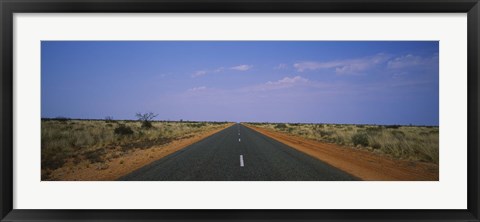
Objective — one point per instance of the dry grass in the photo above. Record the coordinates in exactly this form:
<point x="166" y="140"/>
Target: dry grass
<point x="403" y="142"/>
<point x="95" y="141"/>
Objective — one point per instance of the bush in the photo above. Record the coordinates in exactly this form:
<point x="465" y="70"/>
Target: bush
<point x="146" y="119"/>
<point x="392" y="126"/>
<point x="360" y="139"/>
<point x="374" y="130"/>
<point x="376" y="145"/>
<point x="281" y="126"/>
<point x="146" y="125"/>
<point x="123" y="130"/>
<point x="325" y="133"/>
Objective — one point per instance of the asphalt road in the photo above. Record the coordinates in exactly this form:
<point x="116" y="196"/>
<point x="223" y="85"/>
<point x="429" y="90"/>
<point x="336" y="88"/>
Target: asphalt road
<point x="238" y="154"/>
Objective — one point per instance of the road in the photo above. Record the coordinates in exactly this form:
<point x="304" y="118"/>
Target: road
<point x="238" y="153"/>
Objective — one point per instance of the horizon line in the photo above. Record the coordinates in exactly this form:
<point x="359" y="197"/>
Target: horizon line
<point x="226" y="121"/>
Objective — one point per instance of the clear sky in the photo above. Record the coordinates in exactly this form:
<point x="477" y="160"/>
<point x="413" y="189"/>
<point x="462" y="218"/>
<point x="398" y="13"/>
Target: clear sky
<point x="372" y="82"/>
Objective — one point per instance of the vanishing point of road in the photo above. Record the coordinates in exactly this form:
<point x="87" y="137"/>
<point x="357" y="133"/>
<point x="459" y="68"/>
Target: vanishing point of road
<point x="238" y="153"/>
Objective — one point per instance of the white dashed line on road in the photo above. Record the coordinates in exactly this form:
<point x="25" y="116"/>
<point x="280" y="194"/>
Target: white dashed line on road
<point x="239" y="140"/>
<point x="241" y="160"/>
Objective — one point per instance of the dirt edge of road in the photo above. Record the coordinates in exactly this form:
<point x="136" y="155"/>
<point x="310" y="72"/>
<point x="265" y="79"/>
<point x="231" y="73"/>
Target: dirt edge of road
<point x="363" y="164"/>
<point x="128" y="163"/>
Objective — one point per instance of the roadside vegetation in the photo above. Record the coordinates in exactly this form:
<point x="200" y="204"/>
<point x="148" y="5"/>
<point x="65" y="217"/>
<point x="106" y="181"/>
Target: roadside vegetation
<point x="418" y="143"/>
<point x="93" y="142"/>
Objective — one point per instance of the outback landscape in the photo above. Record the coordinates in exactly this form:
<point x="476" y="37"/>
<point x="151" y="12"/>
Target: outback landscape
<point x="415" y="143"/>
<point x="109" y="149"/>
<point x="375" y="152"/>
<point x="96" y="147"/>
<point x="240" y="111"/>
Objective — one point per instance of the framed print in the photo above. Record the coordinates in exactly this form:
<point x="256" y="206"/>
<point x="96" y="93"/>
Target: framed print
<point x="228" y="110"/>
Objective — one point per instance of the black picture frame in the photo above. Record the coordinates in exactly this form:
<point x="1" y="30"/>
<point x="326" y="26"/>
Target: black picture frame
<point x="9" y="7"/>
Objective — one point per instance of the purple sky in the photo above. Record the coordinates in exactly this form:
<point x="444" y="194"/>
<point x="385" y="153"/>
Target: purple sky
<point x="372" y="82"/>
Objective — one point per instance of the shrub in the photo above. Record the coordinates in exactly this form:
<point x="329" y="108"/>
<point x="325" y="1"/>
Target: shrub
<point x="146" y="125"/>
<point x="392" y="126"/>
<point x="146" y="119"/>
<point x="123" y="130"/>
<point x="376" y="145"/>
<point x="374" y="130"/>
<point x="281" y="126"/>
<point x="360" y="139"/>
<point x="199" y="125"/>
<point x="325" y="133"/>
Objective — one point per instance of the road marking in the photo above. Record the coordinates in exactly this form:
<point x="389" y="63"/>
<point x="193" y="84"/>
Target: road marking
<point x="239" y="140"/>
<point x="241" y="160"/>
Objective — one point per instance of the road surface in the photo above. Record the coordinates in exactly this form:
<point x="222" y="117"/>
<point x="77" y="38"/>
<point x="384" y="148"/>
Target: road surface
<point x="238" y="153"/>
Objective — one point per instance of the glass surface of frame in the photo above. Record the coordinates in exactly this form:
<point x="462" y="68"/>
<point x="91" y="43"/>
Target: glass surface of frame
<point x="360" y="138"/>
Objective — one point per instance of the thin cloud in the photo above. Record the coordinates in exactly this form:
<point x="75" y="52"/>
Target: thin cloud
<point x="281" y="66"/>
<point x="286" y="82"/>
<point x="196" y="89"/>
<point x="348" y="66"/>
<point x="199" y="73"/>
<point x="221" y="69"/>
<point x="410" y="60"/>
<point x="241" y="67"/>
<point x="309" y="65"/>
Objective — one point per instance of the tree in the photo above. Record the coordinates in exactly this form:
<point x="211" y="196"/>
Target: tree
<point x="146" y="119"/>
